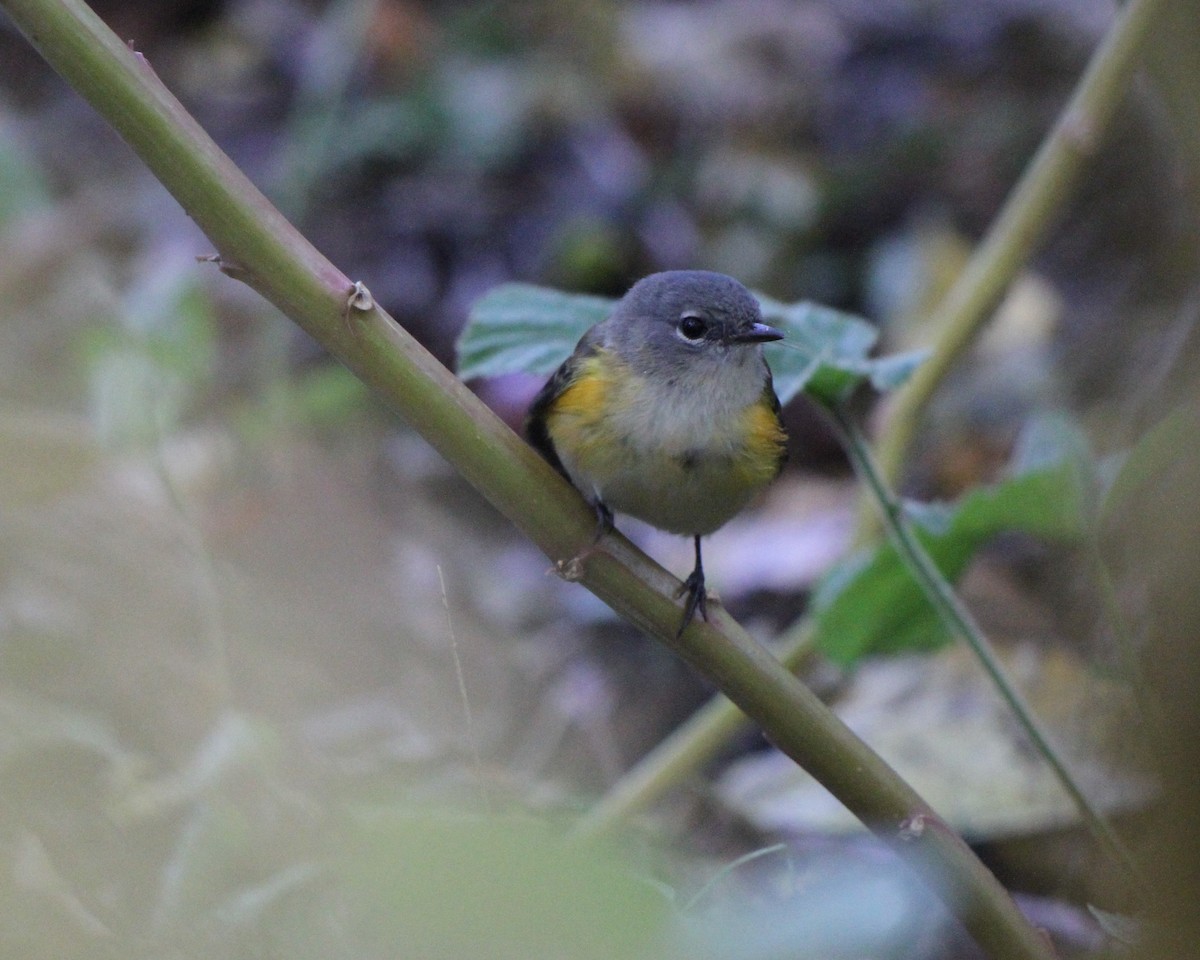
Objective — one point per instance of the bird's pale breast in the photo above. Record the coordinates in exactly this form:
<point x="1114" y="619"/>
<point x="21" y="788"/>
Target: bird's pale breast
<point x="684" y="458"/>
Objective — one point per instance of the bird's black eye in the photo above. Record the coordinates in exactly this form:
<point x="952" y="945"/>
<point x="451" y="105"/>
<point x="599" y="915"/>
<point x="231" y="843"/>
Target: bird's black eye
<point x="692" y="327"/>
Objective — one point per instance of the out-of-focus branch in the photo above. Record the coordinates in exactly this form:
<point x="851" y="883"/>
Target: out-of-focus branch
<point x="1037" y="198"/>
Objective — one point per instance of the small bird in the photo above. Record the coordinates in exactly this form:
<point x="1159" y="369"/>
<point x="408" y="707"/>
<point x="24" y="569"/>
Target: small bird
<point x="666" y="411"/>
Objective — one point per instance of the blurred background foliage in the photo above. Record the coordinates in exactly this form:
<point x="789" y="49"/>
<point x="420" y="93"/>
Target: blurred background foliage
<point x="260" y="650"/>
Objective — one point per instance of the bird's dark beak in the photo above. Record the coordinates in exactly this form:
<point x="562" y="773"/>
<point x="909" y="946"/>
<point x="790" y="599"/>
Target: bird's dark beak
<point x="756" y="333"/>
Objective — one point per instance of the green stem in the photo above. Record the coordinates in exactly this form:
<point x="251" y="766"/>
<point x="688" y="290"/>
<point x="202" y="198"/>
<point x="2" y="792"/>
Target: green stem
<point x="258" y="246"/>
<point x="1040" y="194"/>
<point x="961" y="622"/>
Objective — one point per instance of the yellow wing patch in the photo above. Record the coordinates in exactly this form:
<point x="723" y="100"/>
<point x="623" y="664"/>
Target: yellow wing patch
<point x="579" y="422"/>
<point x="587" y="394"/>
<point x="762" y="454"/>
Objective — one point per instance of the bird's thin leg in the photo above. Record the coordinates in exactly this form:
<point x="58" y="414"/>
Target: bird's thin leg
<point x="697" y="596"/>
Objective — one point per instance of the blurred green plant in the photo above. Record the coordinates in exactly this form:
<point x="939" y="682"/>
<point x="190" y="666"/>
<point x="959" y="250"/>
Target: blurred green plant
<point x="149" y="367"/>
<point x="239" y="853"/>
<point x="458" y="884"/>
<point x="22" y="186"/>
<point x="869" y="603"/>
<point x="324" y="397"/>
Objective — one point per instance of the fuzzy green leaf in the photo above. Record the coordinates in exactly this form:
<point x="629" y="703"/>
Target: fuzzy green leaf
<point x="870" y="603"/>
<point x="824" y="351"/>
<point x="520" y="328"/>
<point x="888" y="373"/>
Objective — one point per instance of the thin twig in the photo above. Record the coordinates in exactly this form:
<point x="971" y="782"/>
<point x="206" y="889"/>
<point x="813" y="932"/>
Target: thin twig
<point x="729" y="868"/>
<point x="461" y="677"/>
<point x="961" y="622"/>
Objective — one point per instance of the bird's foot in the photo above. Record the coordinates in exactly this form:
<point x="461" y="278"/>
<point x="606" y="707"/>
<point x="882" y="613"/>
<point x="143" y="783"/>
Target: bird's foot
<point x="572" y="570"/>
<point x="697" y="599"/>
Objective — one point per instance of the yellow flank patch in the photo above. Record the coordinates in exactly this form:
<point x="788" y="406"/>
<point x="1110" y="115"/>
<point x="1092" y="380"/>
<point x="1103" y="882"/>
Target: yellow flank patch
<point x="578" y="420"/>
<point x="587" y="393"/>
<point x="763" y="445"/>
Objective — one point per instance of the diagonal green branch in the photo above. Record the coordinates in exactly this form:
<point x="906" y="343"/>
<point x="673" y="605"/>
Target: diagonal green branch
<point x="259" y="247"/>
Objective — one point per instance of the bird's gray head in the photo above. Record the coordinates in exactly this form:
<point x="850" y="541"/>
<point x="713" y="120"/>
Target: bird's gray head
<point x="687" y="319"/>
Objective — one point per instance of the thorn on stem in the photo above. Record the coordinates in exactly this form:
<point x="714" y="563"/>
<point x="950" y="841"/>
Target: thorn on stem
<point x="358" y="298"/>
<point x="911" y="828"/>
<point x="570" y="570"/>
<point x="228" y="267"/>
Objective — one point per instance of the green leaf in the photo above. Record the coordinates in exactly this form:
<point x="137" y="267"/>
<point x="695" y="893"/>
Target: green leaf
<point x="824" y="351"/>
<point x="888" y="373"/>
<point x="520" y="328"/>
<point x="870" y="602"/>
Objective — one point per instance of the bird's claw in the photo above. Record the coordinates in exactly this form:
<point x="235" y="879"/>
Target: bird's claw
<point x="697" y="599"/>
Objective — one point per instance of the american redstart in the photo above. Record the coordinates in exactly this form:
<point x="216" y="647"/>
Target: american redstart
<point x="666" y="410"/>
